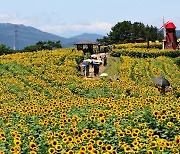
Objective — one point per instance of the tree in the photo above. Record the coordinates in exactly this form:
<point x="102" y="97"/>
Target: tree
<point x="121" y="32"/>
<point x="46" y="45"/>
<point x="125" y="32"/>
<point x="4" y="49"/>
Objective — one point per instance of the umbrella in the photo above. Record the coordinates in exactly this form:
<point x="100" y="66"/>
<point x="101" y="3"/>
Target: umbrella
<point x="103" y="75"/>
<point x="88" y="60"/>
<point x="95" y="61"/>
<point x="86" y="63"/>
<point x="161" y="81"/>
<point x="94" y="55"/>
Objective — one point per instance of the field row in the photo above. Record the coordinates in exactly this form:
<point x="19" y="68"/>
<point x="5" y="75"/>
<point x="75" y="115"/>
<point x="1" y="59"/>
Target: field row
<point x="46" y="106"/>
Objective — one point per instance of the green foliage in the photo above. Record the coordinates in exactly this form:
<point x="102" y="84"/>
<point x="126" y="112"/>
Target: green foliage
<point x="46" y="45"/>
<point x="146" y="54"/>
<point x="177" y="61"/>
<point x="125" y="32"/>
<point x="4" y="49"/>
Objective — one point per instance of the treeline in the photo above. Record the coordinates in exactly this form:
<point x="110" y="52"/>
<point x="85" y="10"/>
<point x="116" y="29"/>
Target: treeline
<point x="127" y="32"/>
<point x="41" y="45"/>
<point x="46" y="45"/>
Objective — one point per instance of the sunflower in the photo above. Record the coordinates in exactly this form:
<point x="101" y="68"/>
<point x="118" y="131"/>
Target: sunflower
<point x="159" y="117"/>
<point x="136" y="130"/>
<point x="85" y="130"/>
<point x="50" y="133"/>
<point x="134" y="135"/>
<point x="17" y="142"/>
<point x="128" y="131"/>
<point x="113" y="152"/>
<point x="32" y="145"/>
<point x="156" y="137"/>
<point x="102" y="120"/>
<point x="93" y="131"/>
<point x="161" y="148"/>
<point x="150" y="132"/>
<point x="175" y="151"/>
<point x="71" y="130"/>
<point x="177" y="139"/>
<point x="91" y="141"/>
<point x="56" y="134"/>
<point x="121" y="134"/>
<point x="135" y="143"/>
<point x="12" y="149"/>
<point x="70" y="152"/>
<point x="102" y="132"/>
<point x="89" y="147"/>
<point x="33" y="152"/>
<point x="81" y="152"/>
<point x="75" y="132"/>
<point x="92" y="118"/>
<point x="2" y="152"/>
<point x="68" y="120"/>
<point x="99" y="142"/>
<point x="51" y="150"/>
<point x="62" y="133"/>
<point x="54" y="143"/>
<point x="135" y="119"/>
<point x="163" y="117"/>
<point x="177" y="128"/>
<point x="103" y="148"/>
<point x="116" y="124"/>
<point x="141" y="145"/>
<point x="65" y="139"/>
<point x="135" y="149"/>
<point x="109" y="147"/>
<point x="127" y="148"/>
<point x="58" y="147"/>
<point x="83" y="148"/>
<point x="170" y="124"/>
<point x="3" y="139"/>
<point x="31" y="138"/>
<point x="168" y="144"/>
<point x="70" y="139"/>
<point x="100" y="114"/>
<point x="150" y="152"/>
<point x="153" y="144"/>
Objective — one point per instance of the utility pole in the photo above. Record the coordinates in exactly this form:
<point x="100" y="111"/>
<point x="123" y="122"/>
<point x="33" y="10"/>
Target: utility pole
<point x="15" y="38"/>
<point x="164" y="33"/>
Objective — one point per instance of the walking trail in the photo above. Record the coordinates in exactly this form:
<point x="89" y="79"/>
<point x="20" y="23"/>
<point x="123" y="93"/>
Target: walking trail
<point x="101" y="69"/>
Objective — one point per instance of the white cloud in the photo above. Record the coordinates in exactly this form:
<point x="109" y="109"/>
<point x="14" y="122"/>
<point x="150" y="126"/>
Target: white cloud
<point x="48" y="24"/>
<point x="92" y="27"/>
<point x="15" y="19"/>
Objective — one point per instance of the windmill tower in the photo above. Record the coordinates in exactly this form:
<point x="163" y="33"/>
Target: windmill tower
<point x="170" y="39"/>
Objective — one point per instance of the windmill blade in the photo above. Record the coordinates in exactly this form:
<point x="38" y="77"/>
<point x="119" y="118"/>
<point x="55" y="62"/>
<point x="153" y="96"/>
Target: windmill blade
<point x="163" y="26"/>
<point x="166" y="22"/>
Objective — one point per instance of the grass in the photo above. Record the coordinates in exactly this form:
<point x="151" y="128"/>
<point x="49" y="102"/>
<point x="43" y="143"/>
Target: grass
<point x="112" y="67"/>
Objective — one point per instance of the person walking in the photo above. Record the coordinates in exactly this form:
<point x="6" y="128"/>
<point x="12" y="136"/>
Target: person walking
<point x="105" y="60"/>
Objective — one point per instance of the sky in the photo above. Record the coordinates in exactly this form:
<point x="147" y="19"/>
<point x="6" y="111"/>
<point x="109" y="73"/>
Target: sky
<point x="68" y="18"/>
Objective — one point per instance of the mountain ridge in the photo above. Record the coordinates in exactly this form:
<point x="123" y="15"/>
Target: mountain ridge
<point x="28" y="35"/>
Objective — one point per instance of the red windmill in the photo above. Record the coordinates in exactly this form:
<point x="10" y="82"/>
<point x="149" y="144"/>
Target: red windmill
<point x="170" y="39"/>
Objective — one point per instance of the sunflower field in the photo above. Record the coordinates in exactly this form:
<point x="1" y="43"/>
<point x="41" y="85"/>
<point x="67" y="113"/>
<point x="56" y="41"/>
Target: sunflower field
<point x="46" y="106"/>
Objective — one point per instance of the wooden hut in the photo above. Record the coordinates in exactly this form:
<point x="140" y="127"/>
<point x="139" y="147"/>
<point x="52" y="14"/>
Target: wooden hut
<point x="89" y="46"/>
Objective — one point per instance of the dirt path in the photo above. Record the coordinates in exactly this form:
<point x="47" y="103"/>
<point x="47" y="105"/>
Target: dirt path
<point x="101" y="69"/>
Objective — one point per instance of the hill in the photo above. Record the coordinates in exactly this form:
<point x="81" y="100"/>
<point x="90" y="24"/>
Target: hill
<point x="27" y="35"/>
<point x="86" y="36"/>
<point x="178" y="33"/>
